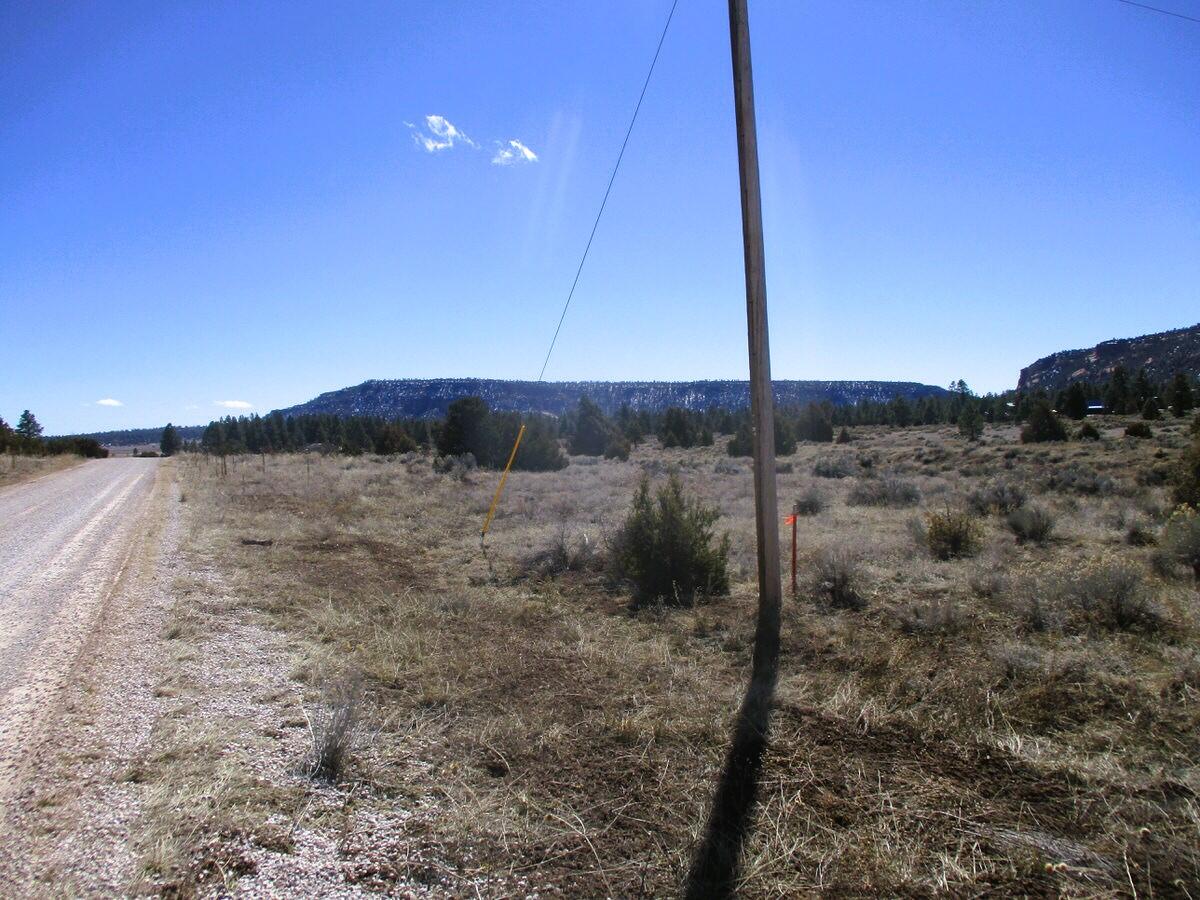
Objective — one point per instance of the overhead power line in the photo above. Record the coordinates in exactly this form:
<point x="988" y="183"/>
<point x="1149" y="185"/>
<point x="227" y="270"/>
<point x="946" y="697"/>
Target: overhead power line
<point x="1165" y="12"/>
<point x="608" y="190"/>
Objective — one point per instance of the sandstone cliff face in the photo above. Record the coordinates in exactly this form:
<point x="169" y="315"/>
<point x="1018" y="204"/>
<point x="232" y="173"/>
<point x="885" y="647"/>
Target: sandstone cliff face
<point x="1162" y="355"/>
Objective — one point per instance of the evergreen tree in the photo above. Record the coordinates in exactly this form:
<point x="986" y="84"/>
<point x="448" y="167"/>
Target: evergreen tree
<point x="814" y="424"/>
<point x="1150" y="410"/>
<point x="1180" y="394"/>
<point x="970" y="422"/>
<point x="539" y="450"/>
<point x="1143" y="390"/>
<point x="356" y="439"/>
<point x="28" y="427"/>
<point x="170" y="443"/>
<point x="678" y="430"/>
<point x="593" y="430"/>
<point x="899" y="412"/>
<point x="1075" y="404"/>
<point x="393" y="440"/>
<point x="1043" y="425"/>
<point x="468" y="429"/>
<point x="1122" y="394"/>
<point x="6" y="435"/>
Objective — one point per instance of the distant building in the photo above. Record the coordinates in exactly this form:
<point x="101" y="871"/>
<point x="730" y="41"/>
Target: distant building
<point x="1095" y="408"/>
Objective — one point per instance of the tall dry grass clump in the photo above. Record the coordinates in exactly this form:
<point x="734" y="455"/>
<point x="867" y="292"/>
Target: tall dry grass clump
<point x="332" y="728"/>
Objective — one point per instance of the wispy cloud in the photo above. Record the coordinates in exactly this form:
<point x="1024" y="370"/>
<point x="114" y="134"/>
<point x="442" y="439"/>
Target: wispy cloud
<point x="439" y="134"/>
<point x="109" y="401"/>
<point x="234" y="404"/>
<point x="513" y="153"/>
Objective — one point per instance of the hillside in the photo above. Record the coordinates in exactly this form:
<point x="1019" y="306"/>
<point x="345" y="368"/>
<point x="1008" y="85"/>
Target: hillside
<point x="132" y="437"/>
<point x="416" y="398"/>
<point x="1162" y="355"/>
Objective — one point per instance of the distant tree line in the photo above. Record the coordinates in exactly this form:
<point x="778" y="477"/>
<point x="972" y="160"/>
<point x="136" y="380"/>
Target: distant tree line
<point x="471" y="427"/>
<point x="26" y="440"/>
<point x="1124" y="395"/>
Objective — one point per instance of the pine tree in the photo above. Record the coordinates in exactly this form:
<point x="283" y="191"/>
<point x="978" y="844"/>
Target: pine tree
<point x="1075" y="404"/>
<point x="1143" y="390"/>
<point x="1122" y="401"/>
<point x="28" y="426"/>
<point x="468" y="429"/>
<point x="1150" y="410"/>
<point x="593" y="431"/>
<point x="1180" y="394"/>
<point x="970" y="422"/>
<point x="814" y="424"/>
<point x="1043" y="425"/>
<point x="170" y="443"/>
<point x="6" y="435"/>
<point x="678" y="429"/>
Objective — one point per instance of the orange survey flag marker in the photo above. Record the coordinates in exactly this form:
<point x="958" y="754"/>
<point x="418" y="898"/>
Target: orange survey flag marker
<point x="791" y="520"/>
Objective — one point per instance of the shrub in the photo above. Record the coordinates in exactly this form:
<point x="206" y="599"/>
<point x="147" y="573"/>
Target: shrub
<point x="618" y="447"/>
<point x="1031" y="524"/>
<point x="457" y="467"/>
<point x="885" y="491"/>
<point x="951" y="534"/>
<point x="1078" y="479"/>
<point x="1138" y="430"/>
<point x="1087" y="432"/>
<point x="1140" y="533"/>
<point x="1043" y="425"/>
<point x="836" y="577"/>
<point x="666" y="548"/>
<point x="1187" y="476"/>
<point x="1182" y="538"/>
<point x="934" y="617"/>
<point x="834" y="467"/>
<point x="810" y="503"/>
<point x="843" y="436"/>
<point x="1038" y="609"/>
<point x="1112" y="595"/>
<point x="563" y="554"/>
<point x="988" y="582"/>
<point x="998" y="497"/>
<point x="1150" y="411"/>
<point x="1018" y="662"/>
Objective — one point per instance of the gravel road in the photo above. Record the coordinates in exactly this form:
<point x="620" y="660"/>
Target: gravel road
<point x="65" y="540"/>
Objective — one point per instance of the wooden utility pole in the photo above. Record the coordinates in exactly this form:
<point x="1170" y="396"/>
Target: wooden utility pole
<point x="715" y="866"/>
<point x="762" y="401"/>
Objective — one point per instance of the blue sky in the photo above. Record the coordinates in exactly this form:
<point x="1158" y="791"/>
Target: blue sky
<point x="207" y="202"/>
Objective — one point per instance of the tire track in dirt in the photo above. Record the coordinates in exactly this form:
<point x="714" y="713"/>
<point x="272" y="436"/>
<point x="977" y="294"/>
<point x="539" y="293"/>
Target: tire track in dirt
<point x="61" y="555"/>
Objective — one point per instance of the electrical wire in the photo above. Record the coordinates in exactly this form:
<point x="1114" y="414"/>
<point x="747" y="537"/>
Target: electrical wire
<point x="1165" y="12"/>
<point x="608" y="190"/>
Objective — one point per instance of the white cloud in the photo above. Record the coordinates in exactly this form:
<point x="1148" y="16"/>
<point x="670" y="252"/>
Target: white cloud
<point x="439" y="134"/>
<point x="234" y="404"/>
<point x="109" y="401"/>
<point x="513" y="153"/>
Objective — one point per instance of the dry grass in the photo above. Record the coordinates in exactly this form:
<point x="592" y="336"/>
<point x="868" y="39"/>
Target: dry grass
<point x="931" y="741"/>
<point x="16" y="469"/>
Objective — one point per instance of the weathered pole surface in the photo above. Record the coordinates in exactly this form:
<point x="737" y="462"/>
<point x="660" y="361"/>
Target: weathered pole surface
<point x="715" y="867"/>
